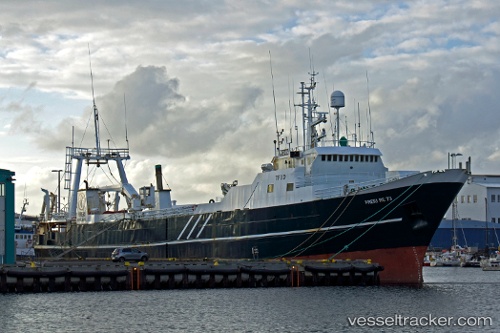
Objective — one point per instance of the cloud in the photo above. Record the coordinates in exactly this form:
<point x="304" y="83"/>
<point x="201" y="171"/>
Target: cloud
<point x="198" y="91"/>
<point x="203" y="137"/>
<point x="148" y="105"/>
<point x="20" y="116"/>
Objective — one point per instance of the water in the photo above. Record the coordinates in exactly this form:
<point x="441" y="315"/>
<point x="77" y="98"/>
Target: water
<point x="448" y="292"/>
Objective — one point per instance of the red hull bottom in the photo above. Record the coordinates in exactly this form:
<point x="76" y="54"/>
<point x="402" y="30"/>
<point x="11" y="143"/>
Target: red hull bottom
<point x="402" y="266"/>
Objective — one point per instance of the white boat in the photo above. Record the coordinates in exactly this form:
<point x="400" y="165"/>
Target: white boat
<point x="492" y="263"/>
<point x="447" y="259"/>
<point x="24" y="233"/>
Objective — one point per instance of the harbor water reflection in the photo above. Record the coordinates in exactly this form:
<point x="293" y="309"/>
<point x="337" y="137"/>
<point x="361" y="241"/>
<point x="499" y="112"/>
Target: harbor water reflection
<point x="448" y="292"/>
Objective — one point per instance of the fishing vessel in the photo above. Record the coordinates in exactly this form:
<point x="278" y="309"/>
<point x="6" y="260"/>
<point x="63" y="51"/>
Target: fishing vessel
<point x="24" y="233"/>
<point x="322" y="199"/>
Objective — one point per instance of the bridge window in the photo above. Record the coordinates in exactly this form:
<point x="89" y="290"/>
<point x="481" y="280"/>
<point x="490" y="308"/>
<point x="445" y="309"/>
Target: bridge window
<point x="270" y="188"/>
<point x="289" y="187"/>
<point x="329" y="158"/>
<point x="335" y="158"/>
<point x="323" y="157"/>
<point x="492" y="198"/>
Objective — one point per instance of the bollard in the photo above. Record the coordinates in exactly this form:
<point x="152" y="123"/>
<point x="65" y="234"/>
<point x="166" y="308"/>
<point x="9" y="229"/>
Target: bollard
<point x="135" y="279"/>
<point x="295" y="276"/>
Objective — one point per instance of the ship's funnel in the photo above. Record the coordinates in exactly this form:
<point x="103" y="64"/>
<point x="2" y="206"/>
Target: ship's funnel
<point x="159" y="184"/>
<point x="163" y="199"/>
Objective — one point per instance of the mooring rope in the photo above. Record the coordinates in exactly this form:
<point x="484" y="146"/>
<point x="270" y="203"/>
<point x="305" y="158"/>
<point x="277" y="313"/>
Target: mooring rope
<point x="320" y="227"/>
<point x="317" y="242"/>
<point x="373" y="225"/>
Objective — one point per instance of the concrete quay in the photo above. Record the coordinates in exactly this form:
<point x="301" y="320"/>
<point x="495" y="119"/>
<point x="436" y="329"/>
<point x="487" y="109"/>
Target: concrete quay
<point x="104" y="275"/>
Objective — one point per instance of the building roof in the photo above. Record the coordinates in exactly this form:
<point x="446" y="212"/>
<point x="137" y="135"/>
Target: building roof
<point x="466" y="224"/>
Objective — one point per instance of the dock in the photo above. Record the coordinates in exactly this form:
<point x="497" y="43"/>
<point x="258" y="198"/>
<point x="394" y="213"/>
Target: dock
<point x="104" y="275"/>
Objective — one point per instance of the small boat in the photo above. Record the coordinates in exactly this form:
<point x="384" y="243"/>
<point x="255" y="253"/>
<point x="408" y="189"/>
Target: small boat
<point x="447" y="259"/>
<point x="470" y="260"/>
<point x="445" y="262"/>
<point x="492" y="263"/>
<point x="428" y="260"/>
<point x="24" y="234"/>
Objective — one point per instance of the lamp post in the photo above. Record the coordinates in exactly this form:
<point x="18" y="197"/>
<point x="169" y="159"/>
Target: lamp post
<point x="58" y="189"/>
<point x="454" y="209"/>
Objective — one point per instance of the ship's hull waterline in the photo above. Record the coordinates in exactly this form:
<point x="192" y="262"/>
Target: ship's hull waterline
<point x="391" y="225"/>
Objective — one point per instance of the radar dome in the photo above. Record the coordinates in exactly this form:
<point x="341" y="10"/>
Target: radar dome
<point x="337" y="99"/>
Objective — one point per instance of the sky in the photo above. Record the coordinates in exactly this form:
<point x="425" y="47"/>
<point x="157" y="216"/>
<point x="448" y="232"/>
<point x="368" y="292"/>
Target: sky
<point x="198" y="86"/>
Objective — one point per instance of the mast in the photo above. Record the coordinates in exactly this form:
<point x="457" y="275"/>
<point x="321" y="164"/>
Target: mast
<point x="23" y="209"/>
<point x="302" y="104"/>
<point x="453" y="221"/>
<point x="96" y="112"/>
<point x="371" y="139"/>
<point x="310" y="106"/>
<point x="97" y="156"/>
<point x="486" y="241"/>
<point x="310" y="117"/>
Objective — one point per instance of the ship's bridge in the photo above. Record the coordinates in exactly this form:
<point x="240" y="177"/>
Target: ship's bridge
<point x="286" y="159"/>
<point x="340" y="160"/>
